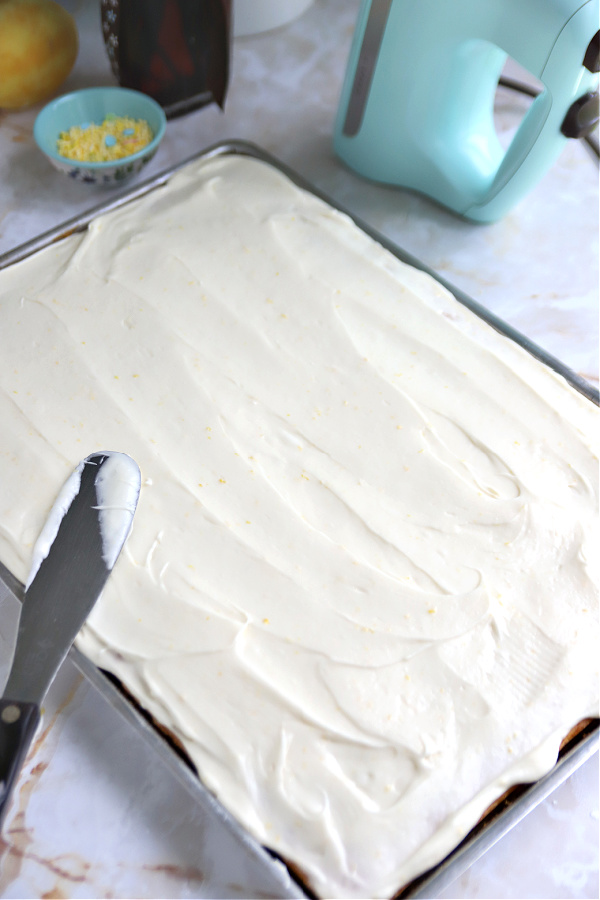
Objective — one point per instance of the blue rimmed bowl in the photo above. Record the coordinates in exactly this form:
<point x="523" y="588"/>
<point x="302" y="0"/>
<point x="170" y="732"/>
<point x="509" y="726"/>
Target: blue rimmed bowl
<point x="93" y="105"/>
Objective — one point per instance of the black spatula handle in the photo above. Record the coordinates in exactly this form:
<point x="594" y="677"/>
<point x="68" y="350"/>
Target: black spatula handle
<point x="18" y="723"/>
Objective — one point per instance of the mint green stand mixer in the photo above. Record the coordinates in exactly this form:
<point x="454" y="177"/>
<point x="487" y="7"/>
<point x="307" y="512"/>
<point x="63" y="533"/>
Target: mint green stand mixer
<point x="417" y="104"/>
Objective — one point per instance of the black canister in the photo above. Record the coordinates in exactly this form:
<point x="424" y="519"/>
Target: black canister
<point x="176" y="51"/>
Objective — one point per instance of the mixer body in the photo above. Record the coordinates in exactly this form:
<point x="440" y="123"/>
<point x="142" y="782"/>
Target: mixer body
<point x="417" y="104"/>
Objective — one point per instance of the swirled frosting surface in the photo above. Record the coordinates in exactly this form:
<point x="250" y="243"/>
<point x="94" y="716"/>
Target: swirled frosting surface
<point x="360" y="586"/>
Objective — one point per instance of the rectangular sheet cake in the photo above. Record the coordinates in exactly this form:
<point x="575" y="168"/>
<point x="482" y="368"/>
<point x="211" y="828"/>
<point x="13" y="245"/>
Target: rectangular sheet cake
<point x="361" y="587"/>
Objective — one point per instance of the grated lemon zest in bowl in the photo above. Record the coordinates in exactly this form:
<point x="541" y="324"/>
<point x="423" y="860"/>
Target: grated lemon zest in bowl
<point x="116" y="138"/>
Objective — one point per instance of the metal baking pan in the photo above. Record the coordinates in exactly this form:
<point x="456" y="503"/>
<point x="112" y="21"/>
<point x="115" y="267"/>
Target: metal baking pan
<point x="522" y="799"/>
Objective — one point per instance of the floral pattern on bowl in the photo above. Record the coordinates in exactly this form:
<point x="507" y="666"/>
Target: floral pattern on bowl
<point x="114" y="174"/>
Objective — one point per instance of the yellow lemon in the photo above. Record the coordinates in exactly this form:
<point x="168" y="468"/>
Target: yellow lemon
<point x="38" y="48"/>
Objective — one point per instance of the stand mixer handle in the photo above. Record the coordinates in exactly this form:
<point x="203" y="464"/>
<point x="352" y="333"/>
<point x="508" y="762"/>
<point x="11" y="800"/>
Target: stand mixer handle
<point x="569" y="78"/>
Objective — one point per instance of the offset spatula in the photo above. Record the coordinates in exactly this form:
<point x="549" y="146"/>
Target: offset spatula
<point x="72" y="559"/>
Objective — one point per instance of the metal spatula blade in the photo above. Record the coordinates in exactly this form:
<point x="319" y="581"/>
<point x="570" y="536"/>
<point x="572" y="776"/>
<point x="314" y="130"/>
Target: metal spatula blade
<point x="73" y="557"/>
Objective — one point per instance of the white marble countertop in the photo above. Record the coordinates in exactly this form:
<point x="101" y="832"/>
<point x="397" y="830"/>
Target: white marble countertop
<point x="96" y="815"/>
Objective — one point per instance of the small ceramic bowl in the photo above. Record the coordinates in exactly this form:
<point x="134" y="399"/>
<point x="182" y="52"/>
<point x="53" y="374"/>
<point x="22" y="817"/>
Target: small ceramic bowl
<point x="92" y="105"/>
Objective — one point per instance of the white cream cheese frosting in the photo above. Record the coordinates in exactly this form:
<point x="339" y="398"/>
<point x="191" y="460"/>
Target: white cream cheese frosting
<point x="361" y="585"/>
